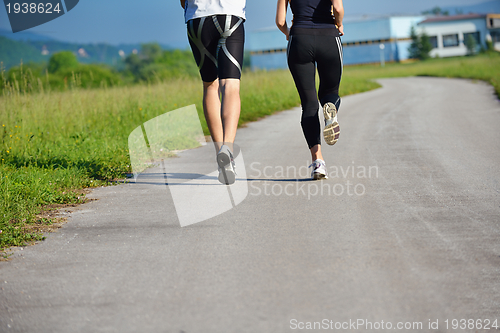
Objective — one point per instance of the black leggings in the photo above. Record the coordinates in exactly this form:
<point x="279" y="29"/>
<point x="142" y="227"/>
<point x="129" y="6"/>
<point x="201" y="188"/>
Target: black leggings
<point x="306" y="49"/>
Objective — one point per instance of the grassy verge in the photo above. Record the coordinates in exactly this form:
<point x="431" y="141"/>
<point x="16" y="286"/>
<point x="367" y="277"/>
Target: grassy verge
<point x="53" y="144"/>
<point x="485" y="67"/>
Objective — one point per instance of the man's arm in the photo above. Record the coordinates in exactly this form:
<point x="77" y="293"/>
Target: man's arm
<point x="183" y="3"/>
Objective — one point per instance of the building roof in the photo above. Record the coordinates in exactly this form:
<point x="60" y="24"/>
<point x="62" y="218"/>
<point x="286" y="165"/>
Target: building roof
<point x="453" y="18"/>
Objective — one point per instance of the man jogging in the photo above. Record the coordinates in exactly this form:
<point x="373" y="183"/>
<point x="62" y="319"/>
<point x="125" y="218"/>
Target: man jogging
<point x="216" y="36"/>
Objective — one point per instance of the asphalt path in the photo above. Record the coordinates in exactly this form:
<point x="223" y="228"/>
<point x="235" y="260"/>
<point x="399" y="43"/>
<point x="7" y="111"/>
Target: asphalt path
<point x="405" y="231"/>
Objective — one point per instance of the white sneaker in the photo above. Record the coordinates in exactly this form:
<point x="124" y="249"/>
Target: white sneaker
<point x="227" y="169"/>
<point x="331" y="132"/>
<point x="319" y="170"/>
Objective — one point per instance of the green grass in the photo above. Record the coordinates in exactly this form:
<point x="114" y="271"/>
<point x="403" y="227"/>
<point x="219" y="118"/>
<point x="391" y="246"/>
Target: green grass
<point x="484" y="67"/>
<point x="24" y="190"/>
<point x="54" y="143"/>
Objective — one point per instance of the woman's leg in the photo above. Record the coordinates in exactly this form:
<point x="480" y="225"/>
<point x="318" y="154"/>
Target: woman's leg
<point x="303" y="69"/>
<point x="316" y="153"/>
<point x="329" y="60"/>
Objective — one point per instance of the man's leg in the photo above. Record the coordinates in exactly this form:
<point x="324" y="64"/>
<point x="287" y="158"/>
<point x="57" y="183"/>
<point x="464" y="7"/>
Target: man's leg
<point x="212" y="111"/>
<point x="231" y="107"/>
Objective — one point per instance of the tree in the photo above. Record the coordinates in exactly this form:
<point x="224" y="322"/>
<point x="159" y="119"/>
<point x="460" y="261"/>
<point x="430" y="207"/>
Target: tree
<point x="133" y="64"/>
<point x="153" y="63"/>
<point x="413" y="49"/>
<point x="424" y="46"/>
<point x="436" y="11"/>
<point x="420" y="46"/>
<point x="489" y="44"/>
<point x="62" y="61"/>
<point x="471" y="45"/>
<point x="151" y="51"/>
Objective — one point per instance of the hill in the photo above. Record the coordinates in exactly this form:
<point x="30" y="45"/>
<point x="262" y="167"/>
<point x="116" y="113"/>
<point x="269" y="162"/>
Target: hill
<point x="480" y="8"/>
<point x="23" y="36"/>
<point x="12" y="52"/>
<point x="32" y="47"/>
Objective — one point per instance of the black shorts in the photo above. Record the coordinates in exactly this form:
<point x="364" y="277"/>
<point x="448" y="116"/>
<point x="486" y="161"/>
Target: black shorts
<point x="217" y="44"/>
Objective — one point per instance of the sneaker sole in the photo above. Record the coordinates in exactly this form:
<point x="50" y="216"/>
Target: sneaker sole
<point x="319" y="176"/>
<point x="227" y="177"/>
<point x="223" y="160"/>
<point x="331" y="133"/>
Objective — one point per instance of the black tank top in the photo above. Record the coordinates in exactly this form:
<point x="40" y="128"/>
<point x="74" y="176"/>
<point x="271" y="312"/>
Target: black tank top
<point x="312" y="14"/>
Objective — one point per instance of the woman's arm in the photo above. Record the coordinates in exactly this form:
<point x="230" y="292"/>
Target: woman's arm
<point x="338" y="12"/>
<point x="281" y="17"/>
<point x="183" y="3"/>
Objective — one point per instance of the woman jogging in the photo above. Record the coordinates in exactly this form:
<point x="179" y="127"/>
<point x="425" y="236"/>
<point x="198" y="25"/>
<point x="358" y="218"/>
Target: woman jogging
<point x="313" y="40"/>
<point x="216" y="35"/>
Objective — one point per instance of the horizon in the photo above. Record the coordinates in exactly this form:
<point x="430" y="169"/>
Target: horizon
<point x="127" y="26"/>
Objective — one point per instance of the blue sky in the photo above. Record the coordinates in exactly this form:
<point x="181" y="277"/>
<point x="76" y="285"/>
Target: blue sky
<point x="128" y="21"/>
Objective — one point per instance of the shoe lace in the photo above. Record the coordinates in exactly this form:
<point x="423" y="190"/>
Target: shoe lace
<point x="233" y="163"/>
<point x="314" y="165"/>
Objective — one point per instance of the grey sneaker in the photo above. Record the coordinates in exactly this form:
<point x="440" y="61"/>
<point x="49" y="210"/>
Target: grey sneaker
<point x="227" y="170"/>
<point x="331" y="132"/>
<point x="319" y="170"/>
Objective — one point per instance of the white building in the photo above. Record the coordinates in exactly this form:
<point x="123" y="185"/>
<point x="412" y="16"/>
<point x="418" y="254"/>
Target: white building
<point x="363" y="38"/>
<point x="361" y="42"/>
<point x="448" y="34"/>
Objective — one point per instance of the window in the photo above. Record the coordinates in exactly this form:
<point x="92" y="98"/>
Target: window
<point x="494" y="23"/>
<point x="475" y="35"/>
<point x="434" y="41"/>
<point x="495" y="36"/>
<point x="450" y="40"/>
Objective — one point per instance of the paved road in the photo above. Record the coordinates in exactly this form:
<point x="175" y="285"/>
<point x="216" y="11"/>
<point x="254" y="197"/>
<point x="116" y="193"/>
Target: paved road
<point x="418" y="239"/>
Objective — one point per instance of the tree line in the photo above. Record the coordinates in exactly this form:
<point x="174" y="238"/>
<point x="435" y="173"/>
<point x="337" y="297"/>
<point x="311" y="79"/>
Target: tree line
<point x="63" y="70"/>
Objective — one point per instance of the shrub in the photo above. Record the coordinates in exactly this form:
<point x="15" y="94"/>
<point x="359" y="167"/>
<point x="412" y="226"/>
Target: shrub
<point x="85" y="76"/>
<point x="62" y="61"/>
<point x="153" y="64"/>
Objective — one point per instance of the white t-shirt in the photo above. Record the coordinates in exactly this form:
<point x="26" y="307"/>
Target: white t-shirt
<point x="199" y="8"/>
